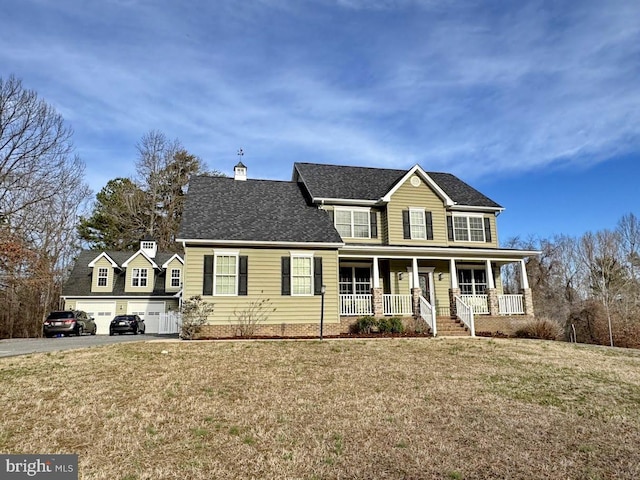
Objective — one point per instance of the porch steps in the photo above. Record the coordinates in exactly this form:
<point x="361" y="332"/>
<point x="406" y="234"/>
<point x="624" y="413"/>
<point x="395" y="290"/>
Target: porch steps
<point x="450" y="327"/>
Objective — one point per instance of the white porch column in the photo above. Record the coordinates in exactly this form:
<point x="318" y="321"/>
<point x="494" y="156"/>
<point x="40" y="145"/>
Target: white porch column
<point x="490" y="282"/>
<point x="524" y="281"/>
<point x="453" y="273"/>
<point x="414" y="273"/>
<point x="376" y="273"/>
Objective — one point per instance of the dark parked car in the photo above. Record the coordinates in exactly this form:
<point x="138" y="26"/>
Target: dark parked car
<point x="68" y="322"/>
<point x="126" y="323"/>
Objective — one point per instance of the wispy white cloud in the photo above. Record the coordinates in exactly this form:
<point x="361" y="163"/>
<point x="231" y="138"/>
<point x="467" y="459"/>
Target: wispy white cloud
<point x="463" y="87"/>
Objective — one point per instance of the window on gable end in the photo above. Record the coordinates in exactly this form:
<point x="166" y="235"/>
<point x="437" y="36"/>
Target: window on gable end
<point x="417" y="223"/>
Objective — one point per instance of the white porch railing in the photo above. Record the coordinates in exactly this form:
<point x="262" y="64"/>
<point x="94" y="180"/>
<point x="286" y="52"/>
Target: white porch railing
<point x="510" y="304"/>
<point x="170" y="323"/>
<point x="465" y="313"/>
<point x="428" y="314"/>
<point x="479" y="303"/>
<point x="355" y="304"/>
<point x="397" y="304"/>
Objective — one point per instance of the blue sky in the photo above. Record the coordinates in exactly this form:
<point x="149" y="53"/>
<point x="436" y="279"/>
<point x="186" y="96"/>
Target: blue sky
<point x="535" y="103"/>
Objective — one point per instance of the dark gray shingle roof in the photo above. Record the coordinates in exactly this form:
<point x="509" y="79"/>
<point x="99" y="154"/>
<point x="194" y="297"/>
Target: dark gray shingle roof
<point x="220" y="208"/>
<point x="79" y="281"/>
<point x="363" y="183"/>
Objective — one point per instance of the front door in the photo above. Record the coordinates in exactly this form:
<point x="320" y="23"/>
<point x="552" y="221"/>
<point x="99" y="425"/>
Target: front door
<point x="423" y="282"/>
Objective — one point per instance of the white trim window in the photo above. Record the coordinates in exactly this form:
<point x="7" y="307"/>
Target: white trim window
<point x="175" y="277"/>
<point x="103" y="277"/>
<point x="353" y="223"/>
<point x="355" y="279"/>
<point x="139" y="277"/>
<point x="472" y="281"/>
<point x="417" y="223"/>
<point x="225" y="278"/>
<point x="301" y="274"/>
<point x="468" y="228"/>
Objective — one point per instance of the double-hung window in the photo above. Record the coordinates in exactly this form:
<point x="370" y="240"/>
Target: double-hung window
<point x="139" y="277"/>
<point x="355" y="280"/>
<point x="301" y="275"/>
<point x="103" y="276"/>
<point x="417" y="223"/>
<point x="468" y="229"/>
<point x="225" y="280"/>
<point x="353" y="223"/>
<point x="175" y="277"/>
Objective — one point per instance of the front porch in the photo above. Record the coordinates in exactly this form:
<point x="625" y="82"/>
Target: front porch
<point x="429" y="288"/>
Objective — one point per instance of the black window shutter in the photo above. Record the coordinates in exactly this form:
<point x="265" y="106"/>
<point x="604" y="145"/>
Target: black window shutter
<point x="242" y="275"/>
<point x="450" y="227"/>
<point x="373" y="218"/>
<point x="286" y="276"/>
<point x="207" y="279"/>
<point x="429" y="224"/>
<point x="406" y="227"/>
<point x="317" y="275"/>
<point x="487" y="229"/>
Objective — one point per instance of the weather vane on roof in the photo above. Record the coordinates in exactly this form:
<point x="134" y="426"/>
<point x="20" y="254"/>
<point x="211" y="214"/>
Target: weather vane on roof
<point x="241" y="153"/>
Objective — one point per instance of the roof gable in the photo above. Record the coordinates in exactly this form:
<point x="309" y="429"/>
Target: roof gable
<point x="175" y="257"/>
<point x="104" y="255"/>
<point x="417" y="170"/>
<point x="140" y="252"/>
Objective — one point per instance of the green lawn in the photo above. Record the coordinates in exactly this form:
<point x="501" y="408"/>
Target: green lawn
<point x="365" y="409"/>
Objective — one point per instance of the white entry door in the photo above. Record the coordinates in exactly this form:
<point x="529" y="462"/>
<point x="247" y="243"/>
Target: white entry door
<point x="102" y="312"/>
<point x="149" y="312"/>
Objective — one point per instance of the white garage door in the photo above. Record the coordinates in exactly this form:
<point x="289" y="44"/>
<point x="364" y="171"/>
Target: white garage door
<point x="150" y="312"/>
<point x="102" y="312"/>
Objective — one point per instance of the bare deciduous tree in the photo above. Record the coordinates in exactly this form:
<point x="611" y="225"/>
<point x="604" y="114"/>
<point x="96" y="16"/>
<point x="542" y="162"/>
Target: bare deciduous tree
<point x="41" y="192"/>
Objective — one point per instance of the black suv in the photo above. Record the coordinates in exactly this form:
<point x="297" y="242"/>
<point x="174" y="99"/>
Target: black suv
<point x="68" y="322"/>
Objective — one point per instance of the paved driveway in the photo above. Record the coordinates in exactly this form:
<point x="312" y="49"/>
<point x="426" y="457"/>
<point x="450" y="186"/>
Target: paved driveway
<point x="23" y="346"/>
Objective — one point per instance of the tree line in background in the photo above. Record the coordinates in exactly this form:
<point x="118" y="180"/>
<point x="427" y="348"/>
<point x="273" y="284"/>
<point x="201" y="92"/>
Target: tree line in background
<point x="45" y="212"/>
<point x="588" y="285"/>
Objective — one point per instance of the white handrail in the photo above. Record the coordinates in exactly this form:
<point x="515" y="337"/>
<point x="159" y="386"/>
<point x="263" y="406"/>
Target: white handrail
<point x="479" y="303"/>
<point x="428" y="314"/>
<point x="465" y="313"/>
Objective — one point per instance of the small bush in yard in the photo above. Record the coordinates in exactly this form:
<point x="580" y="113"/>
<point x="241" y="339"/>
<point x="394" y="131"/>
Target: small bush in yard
<point x="365" y="324"/>
<point x="540" y="328"/>
<point x="195" y="312"/>
<point x="390" y="325"/>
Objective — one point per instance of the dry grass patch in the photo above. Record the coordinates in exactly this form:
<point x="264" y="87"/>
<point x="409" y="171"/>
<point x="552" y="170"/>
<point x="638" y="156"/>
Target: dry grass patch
<point x="401" y="408"/>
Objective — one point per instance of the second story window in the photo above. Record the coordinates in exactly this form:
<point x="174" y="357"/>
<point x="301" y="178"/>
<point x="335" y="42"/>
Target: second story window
<point x="468" y="229"/>
<point x="103" y="276"/>
<point x="417" y="223"/>
<point x="175" y="277"/>
<point x="352" y="223"/>
<point x="139" y="277"/>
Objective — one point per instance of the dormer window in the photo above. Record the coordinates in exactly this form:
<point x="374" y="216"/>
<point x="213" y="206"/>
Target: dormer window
<point x="148" y="245"/>
<point x="139" y="277"/>
<point x="175" y="277"/>
<point x="103" y="276"/>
